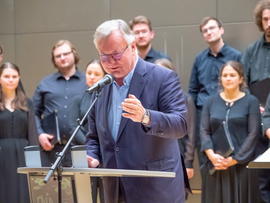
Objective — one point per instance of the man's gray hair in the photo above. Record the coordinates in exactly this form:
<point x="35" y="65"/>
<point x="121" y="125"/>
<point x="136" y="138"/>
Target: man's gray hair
<point x="108" y="27"/>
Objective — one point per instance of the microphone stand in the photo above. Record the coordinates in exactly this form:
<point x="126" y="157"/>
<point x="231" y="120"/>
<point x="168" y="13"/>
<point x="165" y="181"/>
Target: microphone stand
<point x="60" y="155"/>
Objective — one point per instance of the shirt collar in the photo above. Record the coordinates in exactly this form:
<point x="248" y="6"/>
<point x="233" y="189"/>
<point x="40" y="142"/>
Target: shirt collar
<point x="265" y="42"/>
<point x="151" y="53"/>
<point x="222" y="51"/>
<point x="58" y="75"/>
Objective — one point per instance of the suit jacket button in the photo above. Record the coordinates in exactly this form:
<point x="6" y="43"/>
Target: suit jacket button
<point x="117" y="149"/>
<point x="159" y="133"/>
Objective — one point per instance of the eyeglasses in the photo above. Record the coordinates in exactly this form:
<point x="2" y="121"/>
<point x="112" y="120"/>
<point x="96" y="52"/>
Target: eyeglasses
<point x="63" y="54"/>
<point x="211" y="28"/>
<point x="116" y="56"/>
<point x="143" y="32"/>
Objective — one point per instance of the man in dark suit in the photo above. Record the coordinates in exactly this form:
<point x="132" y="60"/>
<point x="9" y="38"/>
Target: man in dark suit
<point x="136" y="121"/>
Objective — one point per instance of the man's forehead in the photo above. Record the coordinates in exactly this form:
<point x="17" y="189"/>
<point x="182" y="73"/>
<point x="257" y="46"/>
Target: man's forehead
<point x="62" y="48"/>
<point x="210" y="23"/>
<point x="141" y="26"/>
<point x="266" y="13"/>
<point x="113" y="39"/>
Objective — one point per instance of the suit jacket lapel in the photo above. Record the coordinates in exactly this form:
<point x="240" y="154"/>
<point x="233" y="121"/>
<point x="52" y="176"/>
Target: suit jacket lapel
<point x="136" y="87"/>
<point x="105" y="102"/>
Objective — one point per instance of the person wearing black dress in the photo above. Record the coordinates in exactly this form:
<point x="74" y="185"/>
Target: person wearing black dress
<point x="17" y="130"/>
<point x="232" y="182"/>
<point x="79" y="106"/>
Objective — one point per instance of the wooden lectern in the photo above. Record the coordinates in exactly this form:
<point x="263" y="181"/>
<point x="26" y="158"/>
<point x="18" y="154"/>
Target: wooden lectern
<point x="261" y="162"/>
<point x="76" y="184"/>
<point x="81" y="177"/>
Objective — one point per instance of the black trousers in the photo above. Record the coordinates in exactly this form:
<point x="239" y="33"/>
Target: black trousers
<point x="264" y="185"/>
<point x="201" y="157"/>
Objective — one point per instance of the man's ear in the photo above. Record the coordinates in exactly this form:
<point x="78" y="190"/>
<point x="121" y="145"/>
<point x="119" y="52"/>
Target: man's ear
<point x="133" y="45"/>
<point x="152" y="33"/>
<point x="221" y="30"/>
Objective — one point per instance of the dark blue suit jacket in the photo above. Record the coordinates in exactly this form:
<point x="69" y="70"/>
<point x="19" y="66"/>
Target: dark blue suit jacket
<point x="138" y="148"/>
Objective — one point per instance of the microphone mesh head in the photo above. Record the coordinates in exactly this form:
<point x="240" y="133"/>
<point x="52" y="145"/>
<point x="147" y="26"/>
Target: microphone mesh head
<point x="111" y="77"/>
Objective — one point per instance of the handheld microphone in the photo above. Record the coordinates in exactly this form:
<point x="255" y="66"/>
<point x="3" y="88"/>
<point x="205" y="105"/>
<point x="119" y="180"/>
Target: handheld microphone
<point x="106" y="80"/>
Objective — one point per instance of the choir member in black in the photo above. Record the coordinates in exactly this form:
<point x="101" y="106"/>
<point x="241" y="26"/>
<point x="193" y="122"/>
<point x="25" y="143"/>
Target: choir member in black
<point x="266" y="132"/>
<point x="232" y="182"/>
<point x="17" y="130"/>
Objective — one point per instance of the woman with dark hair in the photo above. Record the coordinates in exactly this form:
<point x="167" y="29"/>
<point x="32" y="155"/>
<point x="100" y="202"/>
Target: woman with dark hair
<point x="80" y="104"/>
<point x="17" y="130"/>
<point x="231" y="182"/>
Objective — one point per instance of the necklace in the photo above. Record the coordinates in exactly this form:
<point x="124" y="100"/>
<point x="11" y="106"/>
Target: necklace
<point x="232" y="100"/>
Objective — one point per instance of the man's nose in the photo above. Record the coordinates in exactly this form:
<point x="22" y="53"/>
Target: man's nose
<point x="111" y="59"/>
<point x="92" y="76"/>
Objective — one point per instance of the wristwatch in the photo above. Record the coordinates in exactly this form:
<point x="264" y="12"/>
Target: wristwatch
<point x="146" y="117"/>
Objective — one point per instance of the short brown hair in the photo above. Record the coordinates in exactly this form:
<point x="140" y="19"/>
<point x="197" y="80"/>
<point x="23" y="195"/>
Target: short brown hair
<point x="207" y="19"/>
<point x="258" y="10"/>
<point x="139" y="20"/>
<point x="74" y="51"/>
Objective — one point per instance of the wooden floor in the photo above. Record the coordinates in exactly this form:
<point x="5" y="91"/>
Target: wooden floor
<point x="195" y="183"/>
<point x="195" y="197"/>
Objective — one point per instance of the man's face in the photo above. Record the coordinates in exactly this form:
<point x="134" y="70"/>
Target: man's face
<point x="211" y="32"/>
<point x="143" y="35"/>
<point x="115" y="43"/>
<point x="266" y="22"/>
<point x="64" y="57"/>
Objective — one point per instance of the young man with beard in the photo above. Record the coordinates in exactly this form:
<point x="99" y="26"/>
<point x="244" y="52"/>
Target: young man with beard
<point x="256" y="61"/>
<point x="56" y="91"/>
<point x="143" y="32"/>
<point x="205" y="71"/>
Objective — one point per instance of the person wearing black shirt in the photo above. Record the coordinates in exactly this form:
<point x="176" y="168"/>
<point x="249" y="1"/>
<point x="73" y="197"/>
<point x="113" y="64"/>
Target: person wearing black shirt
<point x="204" y="75"/>
<point x="256" y="62"/>
<point x="232" y="181"/>
<point x="55" y="92"/>
<point x="144" y="33"/>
